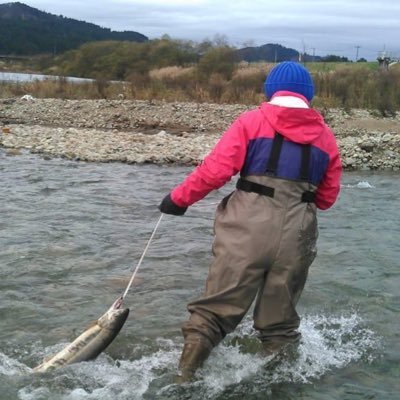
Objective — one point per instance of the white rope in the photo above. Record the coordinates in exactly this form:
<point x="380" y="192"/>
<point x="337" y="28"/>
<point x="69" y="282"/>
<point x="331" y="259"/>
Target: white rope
<point x="141" y="258"/>
<point x="147" y="246"/>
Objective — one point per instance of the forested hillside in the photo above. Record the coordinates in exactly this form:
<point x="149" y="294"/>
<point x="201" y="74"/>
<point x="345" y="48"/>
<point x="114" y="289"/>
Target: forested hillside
<point x="27" y="31"/>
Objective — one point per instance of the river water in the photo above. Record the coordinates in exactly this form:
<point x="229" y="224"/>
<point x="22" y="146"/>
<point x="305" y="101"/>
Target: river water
<point x="18" y="77"/>
<point x="72" y="232"/>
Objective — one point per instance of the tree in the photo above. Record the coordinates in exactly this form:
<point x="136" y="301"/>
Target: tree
<point x="333" y="58"/>
<point x="220" y="60"/>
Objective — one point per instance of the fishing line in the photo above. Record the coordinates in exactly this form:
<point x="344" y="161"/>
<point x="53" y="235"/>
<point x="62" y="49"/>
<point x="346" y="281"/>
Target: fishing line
<point x="141" y="258"/>
<point x="147" y="246"/>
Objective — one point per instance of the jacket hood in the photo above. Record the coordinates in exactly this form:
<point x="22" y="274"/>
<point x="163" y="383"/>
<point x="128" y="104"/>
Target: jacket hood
<point x="300" y="125"/>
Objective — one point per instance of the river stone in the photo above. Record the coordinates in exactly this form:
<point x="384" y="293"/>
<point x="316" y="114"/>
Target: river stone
<point x="367" y="146"/>
<point x="79" y="127"/>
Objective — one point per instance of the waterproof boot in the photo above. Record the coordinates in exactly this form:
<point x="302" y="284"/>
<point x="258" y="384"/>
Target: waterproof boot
<point x="279" y="344"/>
<point x="192" y="358"/>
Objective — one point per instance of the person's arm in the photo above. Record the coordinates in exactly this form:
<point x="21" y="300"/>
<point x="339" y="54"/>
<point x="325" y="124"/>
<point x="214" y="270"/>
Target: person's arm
<point x="224" y="161"/>
<point x="329" y="188"/>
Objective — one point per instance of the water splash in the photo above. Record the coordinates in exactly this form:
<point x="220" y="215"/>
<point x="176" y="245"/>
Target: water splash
<point x="9" y="366"/>
<point x="328" y="342"/>
<point x="104" y="378"/>
<point x="360" y="185"/>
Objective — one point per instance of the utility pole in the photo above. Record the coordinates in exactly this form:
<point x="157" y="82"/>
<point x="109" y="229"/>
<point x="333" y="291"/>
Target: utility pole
<point x="304" y="52"/>
<point x="313" y="53"/>
<point x="357" y="47"/>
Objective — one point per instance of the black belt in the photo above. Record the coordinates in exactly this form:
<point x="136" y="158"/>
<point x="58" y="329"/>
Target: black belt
<point x="252" y="187"/>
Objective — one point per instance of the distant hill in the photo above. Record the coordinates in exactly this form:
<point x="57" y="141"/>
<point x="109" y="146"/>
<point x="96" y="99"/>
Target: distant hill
<point x="272" y="53"/>
<point x="27" y="31"/>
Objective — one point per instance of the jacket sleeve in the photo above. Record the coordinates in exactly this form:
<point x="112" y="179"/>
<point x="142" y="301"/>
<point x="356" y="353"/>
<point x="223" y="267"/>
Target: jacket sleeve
<point x="224" y="161"/>
<point x="328" y="189"/>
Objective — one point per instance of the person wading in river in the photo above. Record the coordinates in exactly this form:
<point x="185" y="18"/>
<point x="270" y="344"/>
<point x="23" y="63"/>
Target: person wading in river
<point x="265" y="230"/>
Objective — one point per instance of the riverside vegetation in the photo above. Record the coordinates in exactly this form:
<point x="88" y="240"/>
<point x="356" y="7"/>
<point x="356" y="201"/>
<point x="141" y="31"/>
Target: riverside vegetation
<point x="173" y="70"/>
<point x="170" y="107"/>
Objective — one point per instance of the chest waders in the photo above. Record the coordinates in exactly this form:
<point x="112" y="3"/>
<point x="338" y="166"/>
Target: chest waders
<point x="265" y="237"/>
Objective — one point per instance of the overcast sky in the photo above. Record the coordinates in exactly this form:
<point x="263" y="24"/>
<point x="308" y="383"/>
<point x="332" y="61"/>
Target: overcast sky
<point x="320" y="27"/>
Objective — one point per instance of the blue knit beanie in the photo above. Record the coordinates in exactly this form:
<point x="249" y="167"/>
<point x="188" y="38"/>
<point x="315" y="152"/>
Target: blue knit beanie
<point x="290" y="76"/>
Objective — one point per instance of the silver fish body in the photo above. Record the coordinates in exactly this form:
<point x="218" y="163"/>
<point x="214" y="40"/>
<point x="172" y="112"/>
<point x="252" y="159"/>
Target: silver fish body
<point x="92" y="341"/>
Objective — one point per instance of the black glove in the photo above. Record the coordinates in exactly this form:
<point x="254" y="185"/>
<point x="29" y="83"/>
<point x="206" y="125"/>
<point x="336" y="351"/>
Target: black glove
<point x="167" y="206"/>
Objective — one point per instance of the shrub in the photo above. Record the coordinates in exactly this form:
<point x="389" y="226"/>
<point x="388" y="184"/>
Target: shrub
<point x="219" y="60"/>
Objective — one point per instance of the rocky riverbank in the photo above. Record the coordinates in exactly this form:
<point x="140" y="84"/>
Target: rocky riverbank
<point x="159" y="132"/>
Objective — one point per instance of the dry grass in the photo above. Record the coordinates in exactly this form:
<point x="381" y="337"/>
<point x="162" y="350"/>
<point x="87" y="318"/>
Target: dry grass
<point x="348" y="86"/>
<point x="246" y="69"/>
<point x="170" y="73"/>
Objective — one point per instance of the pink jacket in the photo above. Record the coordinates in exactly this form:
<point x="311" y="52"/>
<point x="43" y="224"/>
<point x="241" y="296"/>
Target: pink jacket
<point x="245" y="148"/>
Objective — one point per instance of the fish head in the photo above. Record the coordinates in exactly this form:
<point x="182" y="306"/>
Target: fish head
<point x="115" y="317"/>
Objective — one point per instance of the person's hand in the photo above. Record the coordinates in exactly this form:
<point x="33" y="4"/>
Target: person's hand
<point x="167" y="206"/>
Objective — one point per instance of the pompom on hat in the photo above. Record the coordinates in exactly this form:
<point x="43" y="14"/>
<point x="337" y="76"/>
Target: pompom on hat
<point x="290" y="76"/>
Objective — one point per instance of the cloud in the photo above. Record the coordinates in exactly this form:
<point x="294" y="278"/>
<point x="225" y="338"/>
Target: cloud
<point x="326" y="26"/>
